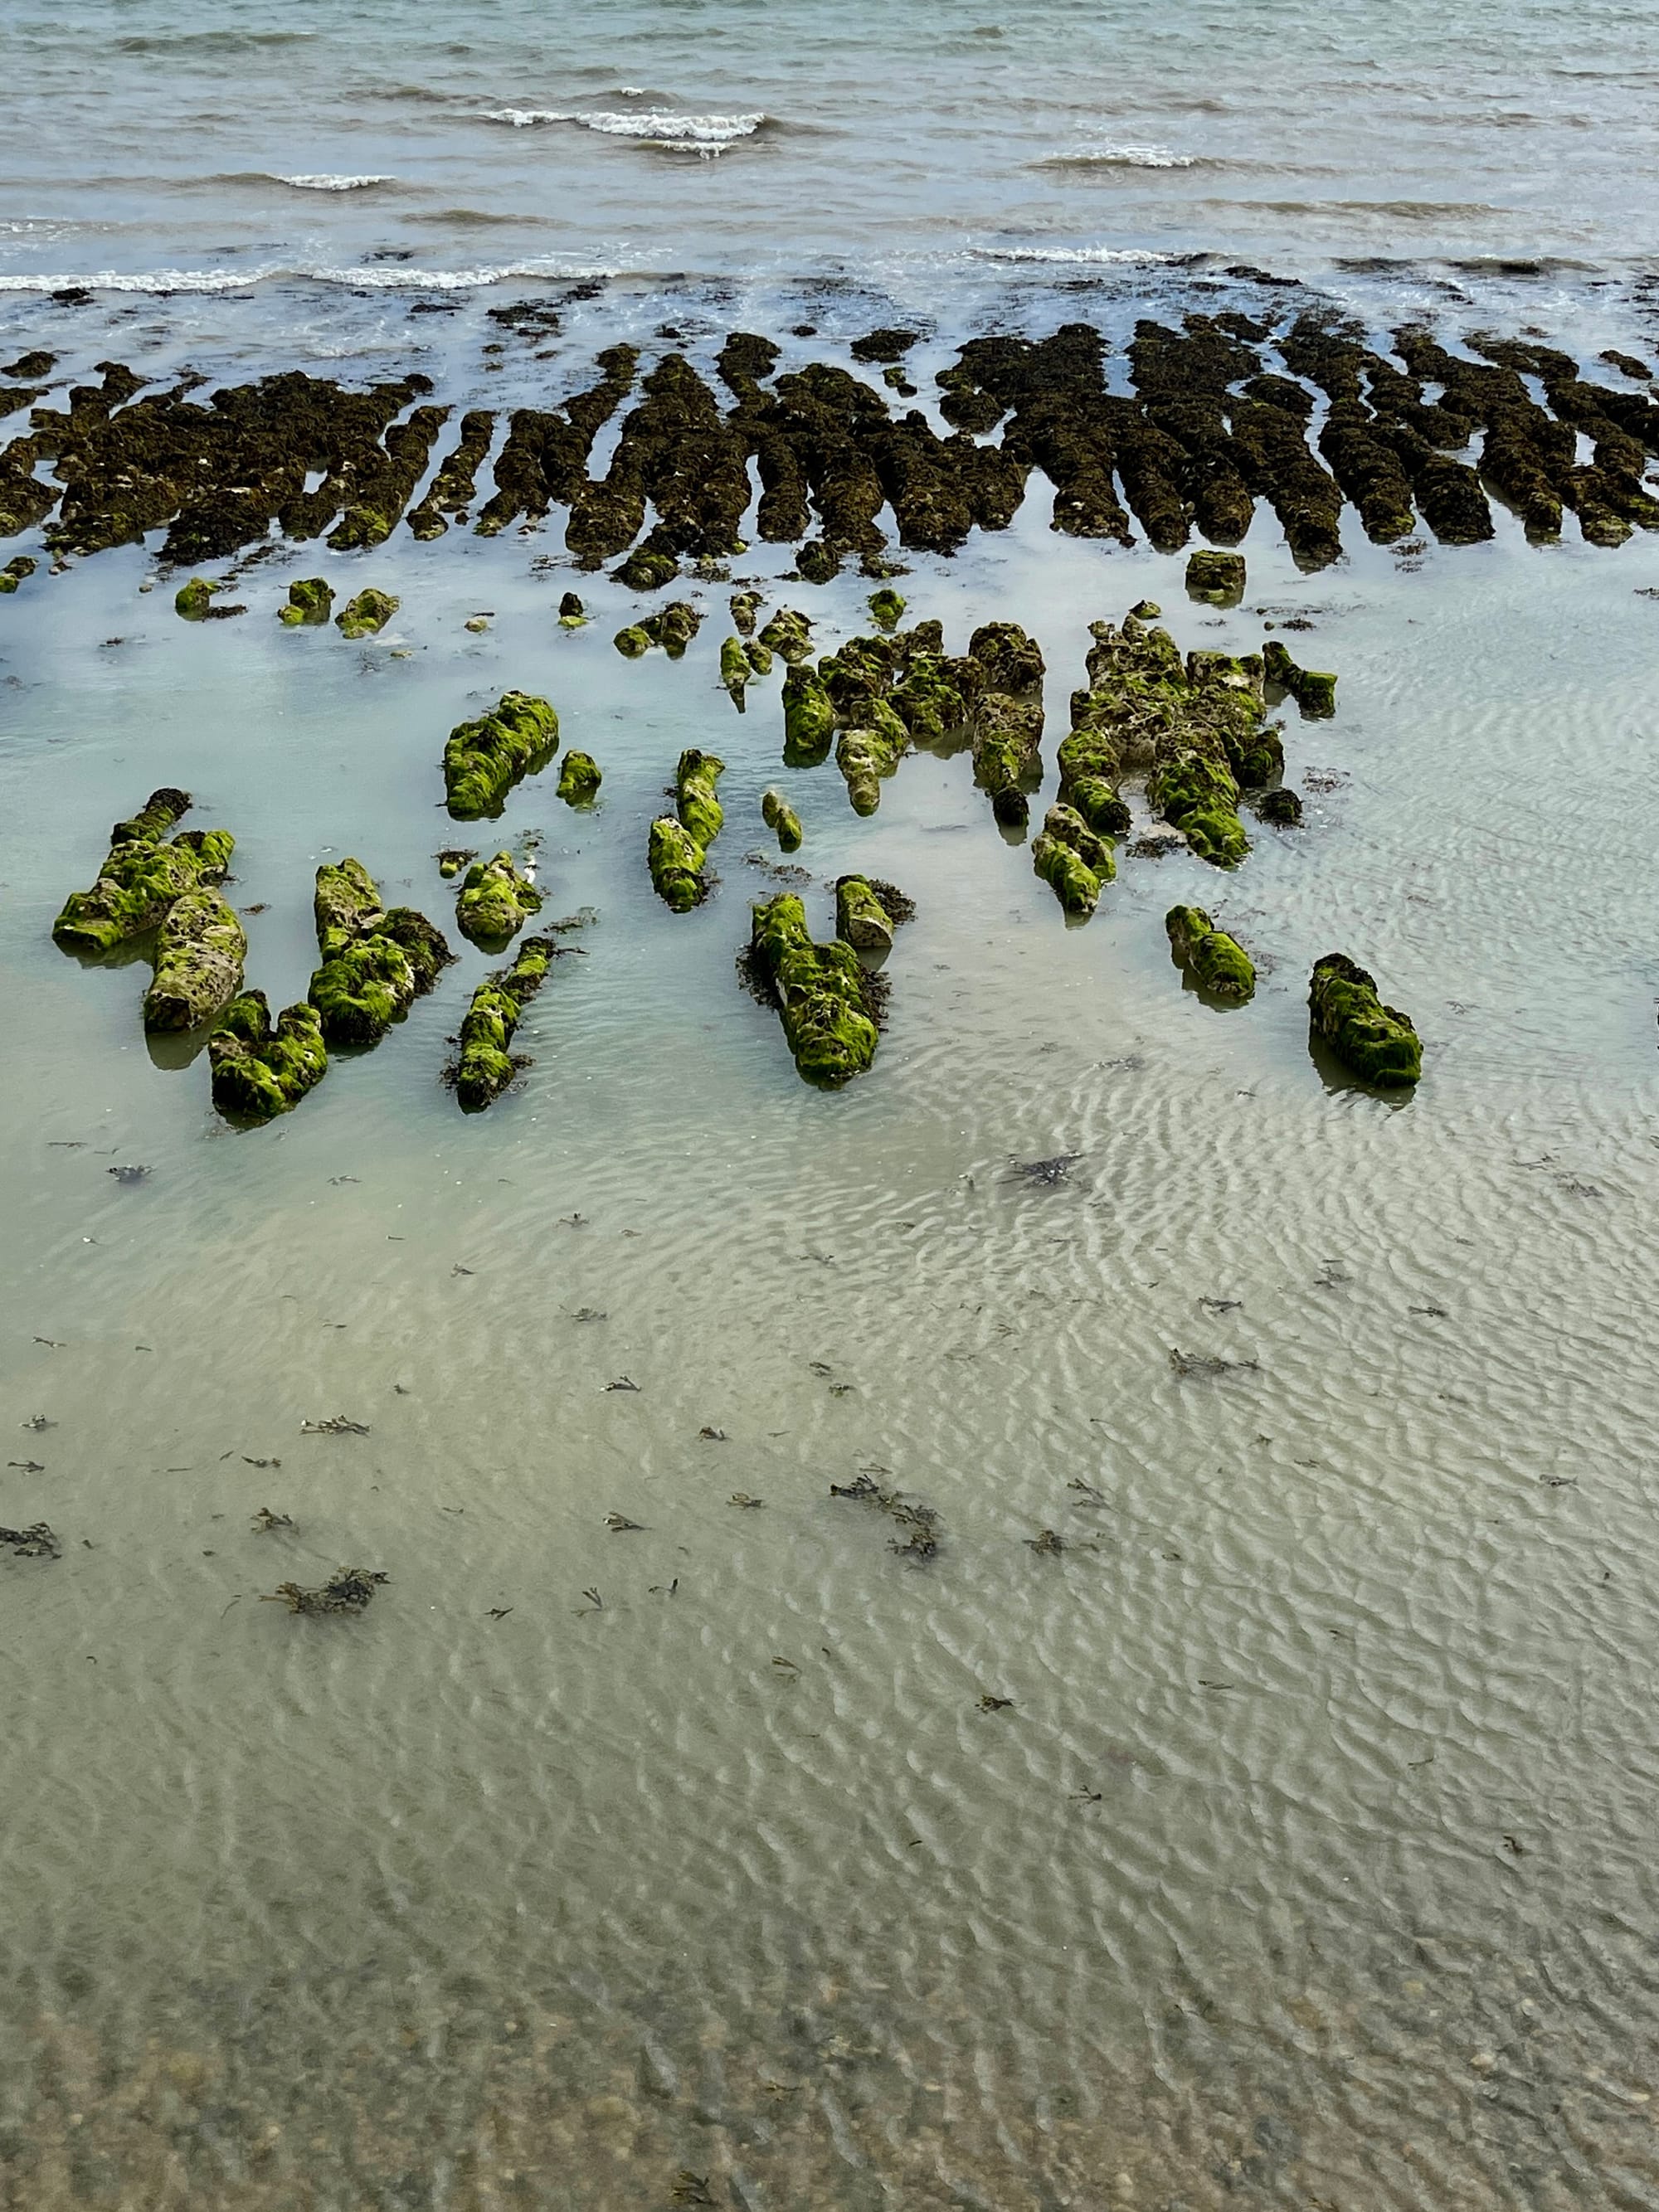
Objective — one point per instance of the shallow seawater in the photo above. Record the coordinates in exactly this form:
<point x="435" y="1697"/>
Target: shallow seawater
<point x="1311" y="1855"/>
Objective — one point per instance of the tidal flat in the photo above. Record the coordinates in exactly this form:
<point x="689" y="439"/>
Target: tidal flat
<point x="1246" y="1786"/>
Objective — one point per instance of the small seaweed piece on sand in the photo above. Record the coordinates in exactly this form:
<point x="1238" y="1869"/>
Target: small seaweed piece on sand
<point x="350" y="1590"/>
<point x="919" y="1524"/>
<point x="1206" y="1366"/>
<point x="35" y="1542"/>
<point x="334" y="1424"/>
<point x="1047" y="1173"/>
<point x="484" y="1066"/>
<point x="264" y="1521"/>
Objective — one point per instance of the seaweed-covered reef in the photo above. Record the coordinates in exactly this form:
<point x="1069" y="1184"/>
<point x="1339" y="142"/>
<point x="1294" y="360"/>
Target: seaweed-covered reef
<point x="1223" y="412"/>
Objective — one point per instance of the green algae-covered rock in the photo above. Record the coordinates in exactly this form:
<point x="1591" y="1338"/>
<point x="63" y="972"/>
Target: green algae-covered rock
<point x="573" y="615"/>
<point x="758" y="656"/>
<point x="1197" y="793"/>
<point x="789" y="634"/>
<point x="781" y="816"/>
<point x="674" y="628"/>
<point x="745" y="605"/>
<point x="1377" y="1043"/>
<point x="886" y="607"/>
<point x="809" y="718"/>
<point x="310" y="600"/>
<point x="1089" y="770"/>
<point x="927" y="700"/>
<point x="199" y="950"/>
<point x="735" y="671"/>
<point x="1011" y="660"/>
<point x="495" y="902"/>
<point x="258" y="1072"/>
<point x="1314" y="691"/>
<point x="866" y="755"/>
<point x="631" y="641"/>
<point x="645" y="571"/>
<point x="361" y="990"/>
<point x="1073" y="860"/>
<point x="194" y="600"/>
<point x="17" y="570"/>
<point x="1217" y="961"/>
<point x="485" y="1067"/>
<point x="143" y="875"/>
<point x="861" y="918"/>
<point x="424" y="944"/>
<point x="821" y="993"/>
<point x="694" y="779"/>
<point x="1217" y="579"/>
<point x="580" y="779"/>
<point x="676" y="861"/>
<point x="345" y="903"/>
<point x="1008" y="733"/>
<point x="367" y="615"/>
<point x="483" y="759"/>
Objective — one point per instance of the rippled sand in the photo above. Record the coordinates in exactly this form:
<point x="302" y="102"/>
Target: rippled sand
<point x="1312" y="1852"/>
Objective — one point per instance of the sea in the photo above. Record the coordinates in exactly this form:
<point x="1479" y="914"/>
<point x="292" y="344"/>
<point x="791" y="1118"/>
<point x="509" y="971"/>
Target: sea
<point x="1254" y="1800"/>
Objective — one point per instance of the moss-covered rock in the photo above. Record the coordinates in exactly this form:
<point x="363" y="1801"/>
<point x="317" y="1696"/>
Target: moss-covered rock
<point x="495" y="902"/>
<point x="483" y="759"/>
<point x="259" y="1071"/>
<point x="17" y="570"/>
<point x="789" y="635"/>
<point x="142" y="876"/>
<point x="861" y="917"/>
<point x="1377" y="1043"/>
<point x="758" y="656"/>
<point x="1073" y="860"/>
<point x="676" y="861"/>
<point x="699" y="809"/>
<point x="373" y="964"/>
<point x="870" y="753"/>
<point x="1008" y="733"/>
<point x="1216" y="578"/>
<point x="821" y="991"/>
<point x="809" y="718"/>
<point x="631" y="641"/>
<point x="580" y="779"/>
<point x="194" y="600"/>
<point x="199" y="950"/>
<point x="926" y="699"/>
<point x="1011" y="660"/>
<point x="780" y="817"/>
<point x="735" y="671"/>
<point x="645" y="571"/>
<point x="310" y="600"/>
<point x="1216" y="961"/>
<point x="746" y="606"/>
<point x="573" y="615"/>
<point x="367" y="615"/>
<point x="1313" y="690"/>
<point x="485" y="1067"/>
<point x="886" y="607"/>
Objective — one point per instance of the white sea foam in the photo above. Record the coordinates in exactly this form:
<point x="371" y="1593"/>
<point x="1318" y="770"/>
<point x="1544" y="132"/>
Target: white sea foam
<point x="1093" y="256"/>
<point x="1126" y="157"/>
<point x="323" y="182"/>
<point x="654" y="126"/>
<point x="378" y="278"/>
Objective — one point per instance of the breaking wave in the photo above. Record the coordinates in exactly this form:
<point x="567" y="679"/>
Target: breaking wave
<point x="700" y="134"/>
<point x="1124" y="157"/>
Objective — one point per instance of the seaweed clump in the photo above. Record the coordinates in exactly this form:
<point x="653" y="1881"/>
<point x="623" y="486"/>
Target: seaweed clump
<point x="821" y="991"/>
<point x="199" y="951"/>
<point x="144" y="873"/>
<point x="495" y="901"/>
<point x="260" y="1069"/>
<point x="1215" y="960"/>
<point x="484" y="758"/>
<point x="375" y="962"/>
<point x="1377" y="1043"/>
<point x="485" y="1067"/>
<point x="350" y="1590"/>
<point x="919" y="1524"/>
<point x="37" y="1542"/>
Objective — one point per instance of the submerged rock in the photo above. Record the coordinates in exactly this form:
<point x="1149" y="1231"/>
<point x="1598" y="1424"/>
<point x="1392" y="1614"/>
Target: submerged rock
<point x="310" y="600"/>
<point x="781" y="816"/>
<point x="199" y="951"/>
<point x="485" y="1067"/>
<point x="495" y="902"/>
<point x="367" y="615"/>
<point x="580" y="779"/>
<point x="1216" y="578"/>
<point x="1313" y="692"/>
<point x="1376" y="1042"/>
<point x="259" y="1071"/>
<point x="1281" y="807"/>
<point x="142" y="876"/>
<point x="1073" y="860"/>
<point x="821" y="991"/>
<point x="1215" y="960"/>
<point x="483" y="759"/>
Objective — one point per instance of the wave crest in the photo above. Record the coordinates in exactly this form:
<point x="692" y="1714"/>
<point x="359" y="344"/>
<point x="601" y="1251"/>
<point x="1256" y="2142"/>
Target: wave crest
<point x="701" y="134"/>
